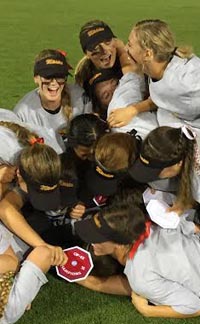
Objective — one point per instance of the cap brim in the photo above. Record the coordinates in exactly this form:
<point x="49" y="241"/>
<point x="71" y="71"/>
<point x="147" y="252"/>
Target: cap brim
<point x="48" y="200"/>
<point x="142" y="173"/>
<point x="99" y="185"/>
<point x="68" y="196"/>
<point x="56" y="73"/>
<point x="96" y="41"/>
<point x="88" y="232"/>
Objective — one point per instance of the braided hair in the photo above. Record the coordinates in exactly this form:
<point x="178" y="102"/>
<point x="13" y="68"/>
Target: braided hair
<point x="165" y="143"/>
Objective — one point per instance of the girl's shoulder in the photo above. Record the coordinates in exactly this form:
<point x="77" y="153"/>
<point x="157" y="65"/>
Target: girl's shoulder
<point x="31" y="99"/>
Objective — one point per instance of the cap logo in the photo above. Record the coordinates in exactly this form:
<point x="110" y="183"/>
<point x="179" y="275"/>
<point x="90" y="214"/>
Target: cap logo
<point x="66" y="184"/>
<point x="52" y="61"/>
<point x="48" y="188"/>
<point x="97" y="221"/>
<point x="144" y="160"/>
<point x="94" y="31"/>
<point x="95" y="77"/>
<point x="100" y="171"/>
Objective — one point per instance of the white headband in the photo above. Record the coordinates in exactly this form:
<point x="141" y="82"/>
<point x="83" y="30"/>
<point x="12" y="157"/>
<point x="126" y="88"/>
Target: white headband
<point x="188" y="132"/>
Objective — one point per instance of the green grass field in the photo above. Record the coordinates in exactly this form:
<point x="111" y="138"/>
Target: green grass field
<point x="28" y="26"/>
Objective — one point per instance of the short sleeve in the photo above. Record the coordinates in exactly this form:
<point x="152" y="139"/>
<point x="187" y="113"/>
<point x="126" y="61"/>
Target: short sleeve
<point x="160" y="291"/>
<point x="127" y="92"/>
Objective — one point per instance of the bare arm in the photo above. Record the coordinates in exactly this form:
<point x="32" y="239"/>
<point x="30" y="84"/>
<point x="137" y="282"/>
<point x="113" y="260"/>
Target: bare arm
<point x="7" y="174"/>
<point x="16" y="223"/>
<point x="123" y="115"/>
<point x="116" y="285"/>
<point x="13" y="219"/>
<point x="141" y="304"/>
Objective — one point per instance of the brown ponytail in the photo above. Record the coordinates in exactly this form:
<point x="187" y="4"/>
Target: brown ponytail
<point x="38" y="160"/>
<point x="23" y="135"/>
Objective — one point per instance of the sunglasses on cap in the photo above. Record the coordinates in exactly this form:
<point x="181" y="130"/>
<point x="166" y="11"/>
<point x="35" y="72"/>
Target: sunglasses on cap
<point x="59" y="80"/>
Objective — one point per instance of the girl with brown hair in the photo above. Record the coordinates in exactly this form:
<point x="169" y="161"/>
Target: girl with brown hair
<point x="114" y="155"/>
<point x="98" y="44"/>
<point x="169" y="152"/>
<point x="148" y="252"/>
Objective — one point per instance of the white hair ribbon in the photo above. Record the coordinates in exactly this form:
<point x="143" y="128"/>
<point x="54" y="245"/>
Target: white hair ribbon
<point x="188" y="132"/>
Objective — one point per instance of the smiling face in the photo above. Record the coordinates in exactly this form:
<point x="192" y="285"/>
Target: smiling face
<point x="104" y="91"/>
<point x="104" y="54"/>
<point x="50" y="90"/>
<point x="134" y="49"/>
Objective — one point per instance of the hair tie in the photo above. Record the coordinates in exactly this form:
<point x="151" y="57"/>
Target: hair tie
<point x="62" y="52"/>
<point x="65" y="55"/>
<point x="34" y="140"/>
<point x="189" y="133"/>
<point x="134" y="133"/>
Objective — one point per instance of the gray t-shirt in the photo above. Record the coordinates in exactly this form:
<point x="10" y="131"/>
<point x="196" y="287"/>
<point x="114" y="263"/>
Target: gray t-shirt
<point x="130" y="90"/>
<point x="177" y="94"/>
<point x="166" y="268"/>
<point x="30" y="110"/>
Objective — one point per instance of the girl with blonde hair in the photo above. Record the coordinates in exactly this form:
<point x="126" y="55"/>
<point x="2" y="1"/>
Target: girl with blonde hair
<point x="54" y="102"/>
<point x="173" y="74"/>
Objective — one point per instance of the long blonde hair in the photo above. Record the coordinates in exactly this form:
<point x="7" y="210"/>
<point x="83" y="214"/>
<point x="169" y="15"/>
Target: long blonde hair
<point x="65" y="97"/>
<point x="155" y="34"/>
<point x="38" y="160"/>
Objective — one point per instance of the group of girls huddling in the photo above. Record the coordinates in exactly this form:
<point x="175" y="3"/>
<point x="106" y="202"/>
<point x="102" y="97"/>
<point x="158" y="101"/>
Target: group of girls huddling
<point x="77" y="158"/>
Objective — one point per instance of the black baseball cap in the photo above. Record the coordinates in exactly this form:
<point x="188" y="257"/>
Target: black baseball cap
<point x="96" y="230"/>
<point x="100" y="181"/>
<point x="68" y="193"/>
<point x="51" y="195"/>
<point x="146" y="169"/>
<point x="95" y="36"/>
<point x="52" y="66"/>
<point x="43" y="196"/>
<point x="98" y="76"/>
